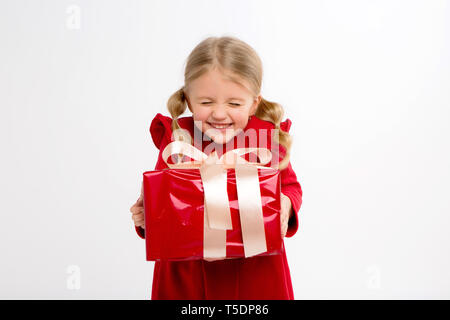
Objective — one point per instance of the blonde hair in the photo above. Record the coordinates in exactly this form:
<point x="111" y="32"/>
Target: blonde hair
<point x="231" y="54"/>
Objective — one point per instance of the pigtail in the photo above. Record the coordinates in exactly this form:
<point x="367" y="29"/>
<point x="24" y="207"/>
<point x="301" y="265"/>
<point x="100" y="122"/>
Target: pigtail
<point x="273" y="112"/>
<point x="176" y="106"/>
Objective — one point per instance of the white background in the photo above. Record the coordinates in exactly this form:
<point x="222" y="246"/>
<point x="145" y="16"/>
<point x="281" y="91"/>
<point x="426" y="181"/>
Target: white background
<point x="366" y="85"/>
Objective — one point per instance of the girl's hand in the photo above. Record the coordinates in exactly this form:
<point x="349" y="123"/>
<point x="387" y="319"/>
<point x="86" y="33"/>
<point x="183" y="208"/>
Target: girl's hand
<point x="286" y="213"/>
<point x="137" y="210"/>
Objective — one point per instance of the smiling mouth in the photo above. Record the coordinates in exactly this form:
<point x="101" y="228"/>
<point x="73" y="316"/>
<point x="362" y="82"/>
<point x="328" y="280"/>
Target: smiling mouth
<point x="220" y="125"/>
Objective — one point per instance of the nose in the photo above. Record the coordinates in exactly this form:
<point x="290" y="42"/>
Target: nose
<point x="219" y="113"/>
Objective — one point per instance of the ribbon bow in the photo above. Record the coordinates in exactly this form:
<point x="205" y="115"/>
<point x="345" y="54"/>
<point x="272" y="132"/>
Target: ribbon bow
<point x="217" y="217"/>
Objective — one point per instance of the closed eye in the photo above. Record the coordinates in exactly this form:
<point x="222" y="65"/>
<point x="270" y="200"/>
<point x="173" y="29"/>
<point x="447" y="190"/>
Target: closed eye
<point x="233" y="104"/>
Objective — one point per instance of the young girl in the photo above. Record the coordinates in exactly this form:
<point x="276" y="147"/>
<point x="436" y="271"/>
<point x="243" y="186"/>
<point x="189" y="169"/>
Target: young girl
<point x="222" y="90"/>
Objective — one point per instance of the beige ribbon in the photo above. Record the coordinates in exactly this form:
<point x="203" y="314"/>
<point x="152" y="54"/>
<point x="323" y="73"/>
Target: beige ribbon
<point x="217" y="217"/>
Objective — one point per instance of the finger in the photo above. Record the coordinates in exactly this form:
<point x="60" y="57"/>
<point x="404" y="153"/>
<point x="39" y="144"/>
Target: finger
<point x="137" y="204"/>
<point x="134" y="209"/>
<point x="138" y="214"/>
<point x="140" y="224"/>
<point x="139" y="221"/>
<point x="136" y="217"/>
<point x="138" y="210"/>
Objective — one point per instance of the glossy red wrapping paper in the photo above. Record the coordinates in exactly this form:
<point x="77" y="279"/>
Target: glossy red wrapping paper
<point x="174" y="207"/>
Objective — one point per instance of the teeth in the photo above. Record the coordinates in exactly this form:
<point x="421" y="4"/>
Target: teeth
<point x="220" y="126"/>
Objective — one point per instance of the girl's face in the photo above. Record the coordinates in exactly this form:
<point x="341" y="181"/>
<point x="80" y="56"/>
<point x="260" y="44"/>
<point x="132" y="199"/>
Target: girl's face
<point x="220" y="107"/>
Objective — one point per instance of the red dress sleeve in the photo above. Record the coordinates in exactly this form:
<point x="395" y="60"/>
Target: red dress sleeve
<point x="291" y="188"/>
<point x="161" y="133"/>
<point x="160" y="129"/>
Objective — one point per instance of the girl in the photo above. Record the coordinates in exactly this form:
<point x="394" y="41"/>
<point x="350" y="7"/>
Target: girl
<point x="222" y="90"/>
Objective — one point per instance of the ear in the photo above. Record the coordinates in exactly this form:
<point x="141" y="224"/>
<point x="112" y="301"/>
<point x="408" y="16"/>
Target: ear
<point x="255" y="105"/>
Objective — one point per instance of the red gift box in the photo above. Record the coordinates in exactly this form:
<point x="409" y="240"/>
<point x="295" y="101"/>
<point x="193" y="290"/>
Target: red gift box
<point x="177" y="226"/>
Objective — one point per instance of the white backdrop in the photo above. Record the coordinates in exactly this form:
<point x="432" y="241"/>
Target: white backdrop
<point x="366" y="85"/>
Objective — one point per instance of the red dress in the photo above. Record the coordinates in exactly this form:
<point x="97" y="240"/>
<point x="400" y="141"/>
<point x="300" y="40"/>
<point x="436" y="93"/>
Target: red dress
<point x="260" y="277"/>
